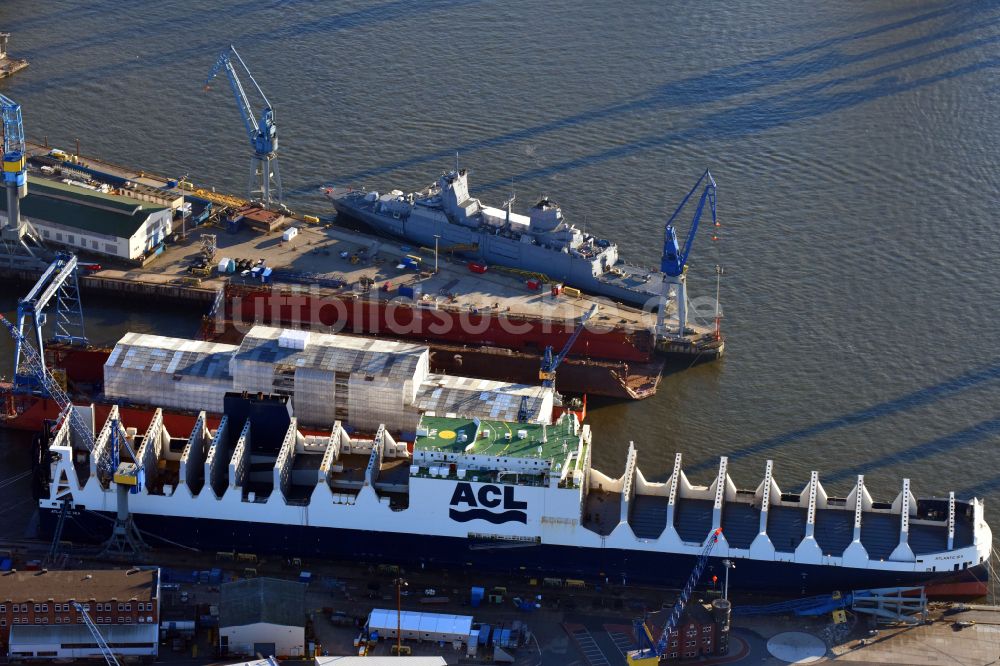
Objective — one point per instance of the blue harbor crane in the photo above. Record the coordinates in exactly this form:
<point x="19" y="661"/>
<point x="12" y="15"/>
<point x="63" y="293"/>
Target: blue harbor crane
<point x="15" y="170"/>
<point x="265" y="179"/>
<point x="674" y="261"/>
<point x="650" y="650"/>
<point x="128" y="477"/>
<point x="59" y="283"/>
<point x="547" y="373"/>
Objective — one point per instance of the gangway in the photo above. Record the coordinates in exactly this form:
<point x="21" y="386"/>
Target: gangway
<point x="889" y="604"/>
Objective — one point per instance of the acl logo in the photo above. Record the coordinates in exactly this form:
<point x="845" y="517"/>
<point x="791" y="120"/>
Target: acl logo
<point x="490" y="497"/>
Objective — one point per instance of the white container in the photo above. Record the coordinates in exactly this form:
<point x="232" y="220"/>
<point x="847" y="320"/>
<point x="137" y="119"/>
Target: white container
<point x="290" y="233"/>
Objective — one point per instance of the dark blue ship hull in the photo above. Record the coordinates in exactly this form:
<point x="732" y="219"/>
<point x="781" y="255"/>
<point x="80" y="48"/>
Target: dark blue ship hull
<point x="660" y="569"/>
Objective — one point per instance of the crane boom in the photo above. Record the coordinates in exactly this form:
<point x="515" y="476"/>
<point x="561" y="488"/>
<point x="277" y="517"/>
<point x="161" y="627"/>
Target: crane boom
<point x="658" y="649"/>
<point x="102" y="644"/>
<point x="33" y="363"/>
<point x="59" y="282"/>
<point x="549" y="362"/>
<point x="263" y="133"/>
<point x="674" y="257"/>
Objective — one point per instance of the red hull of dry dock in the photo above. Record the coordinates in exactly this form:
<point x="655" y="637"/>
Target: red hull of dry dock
<point x="345" y="312"/>
<point x="30" y="413"/>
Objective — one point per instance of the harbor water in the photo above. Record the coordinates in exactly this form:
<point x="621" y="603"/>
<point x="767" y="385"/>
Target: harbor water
<point x="854" y="146"/>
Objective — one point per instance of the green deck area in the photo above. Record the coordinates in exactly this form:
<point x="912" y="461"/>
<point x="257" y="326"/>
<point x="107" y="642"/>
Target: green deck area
<point x="490" y="438"/>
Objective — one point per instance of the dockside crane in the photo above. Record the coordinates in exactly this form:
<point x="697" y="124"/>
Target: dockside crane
<point x="128" y="477"/>
<point x="109" y="656"/>
<point x="265" y="179"/>
<point x="15" y="170"/>
<point x="674" y="260"/>
<point x="651" y="649"/>
<point x="547" y="373"/>
<point x="59" y="283"/>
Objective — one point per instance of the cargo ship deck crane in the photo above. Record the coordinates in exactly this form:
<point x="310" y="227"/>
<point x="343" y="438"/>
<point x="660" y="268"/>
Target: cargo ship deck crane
<point x="547" y="373"/>
<point x="60" y="281"/>
<point x="650" y="650"/>
<point x="265" y="179"/>
<point x="127" y="476"/>
<point x="674" y="260"/>
<point x="109" y="656"/>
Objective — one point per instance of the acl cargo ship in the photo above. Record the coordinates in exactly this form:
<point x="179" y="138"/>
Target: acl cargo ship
<point x="499" y="495"/>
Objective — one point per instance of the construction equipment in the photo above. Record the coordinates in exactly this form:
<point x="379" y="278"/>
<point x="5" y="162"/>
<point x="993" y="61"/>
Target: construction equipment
<point x="265" y="179"/>
<point x="61" y="282"/>
<point x="650" y="650"/>
<point x="674" y="260"/>
<point x="102" y="644"/>
<point x="127" y="476"/>
<point x="208" y="248"/>
<point x="547" y="373"/>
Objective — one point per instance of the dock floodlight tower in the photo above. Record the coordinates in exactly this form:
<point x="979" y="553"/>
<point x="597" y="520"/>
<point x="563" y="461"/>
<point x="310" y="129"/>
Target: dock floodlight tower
<point x="265" y="179"/>
<point x="15" y="171"/>
<point x="674" y="261"/>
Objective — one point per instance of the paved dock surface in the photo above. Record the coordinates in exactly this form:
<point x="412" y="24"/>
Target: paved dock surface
<point x="945" y="640"/>
<point x="326" y="250"/>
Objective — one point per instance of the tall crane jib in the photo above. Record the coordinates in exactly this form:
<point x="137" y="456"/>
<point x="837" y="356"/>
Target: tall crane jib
<point x="58" y="284"/>
<point x="127" y="476"/>
<point x="674" y="260"/>
<point x="547" y="373"/>
<point x="102" y="645"/>
<point x="265" y="178"/>
<point x="651" y="649"/>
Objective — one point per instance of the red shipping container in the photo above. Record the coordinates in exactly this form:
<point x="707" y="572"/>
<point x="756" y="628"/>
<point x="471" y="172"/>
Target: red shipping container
<point x="534" y="285"/>
<point x="557" y="289"/>
<point x="477" y="268"/>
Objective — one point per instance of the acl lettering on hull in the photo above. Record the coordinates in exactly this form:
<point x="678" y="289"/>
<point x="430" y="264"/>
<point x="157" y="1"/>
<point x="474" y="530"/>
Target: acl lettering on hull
<point x="491" y="503"/>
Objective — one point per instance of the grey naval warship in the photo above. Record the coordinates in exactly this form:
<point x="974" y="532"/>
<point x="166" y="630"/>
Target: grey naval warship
<point x="540" y="242"/>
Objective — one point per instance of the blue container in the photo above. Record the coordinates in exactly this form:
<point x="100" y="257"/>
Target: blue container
<point x="478" y="594"/>
<point x="484" y="634"/>
<point x="406" y="291"/>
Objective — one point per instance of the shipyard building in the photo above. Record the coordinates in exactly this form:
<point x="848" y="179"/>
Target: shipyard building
<point x="362" y="382"/>
<point x="85" y="219"/>
<point x="38" y="619"/>
<point x="263" y="616"/>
